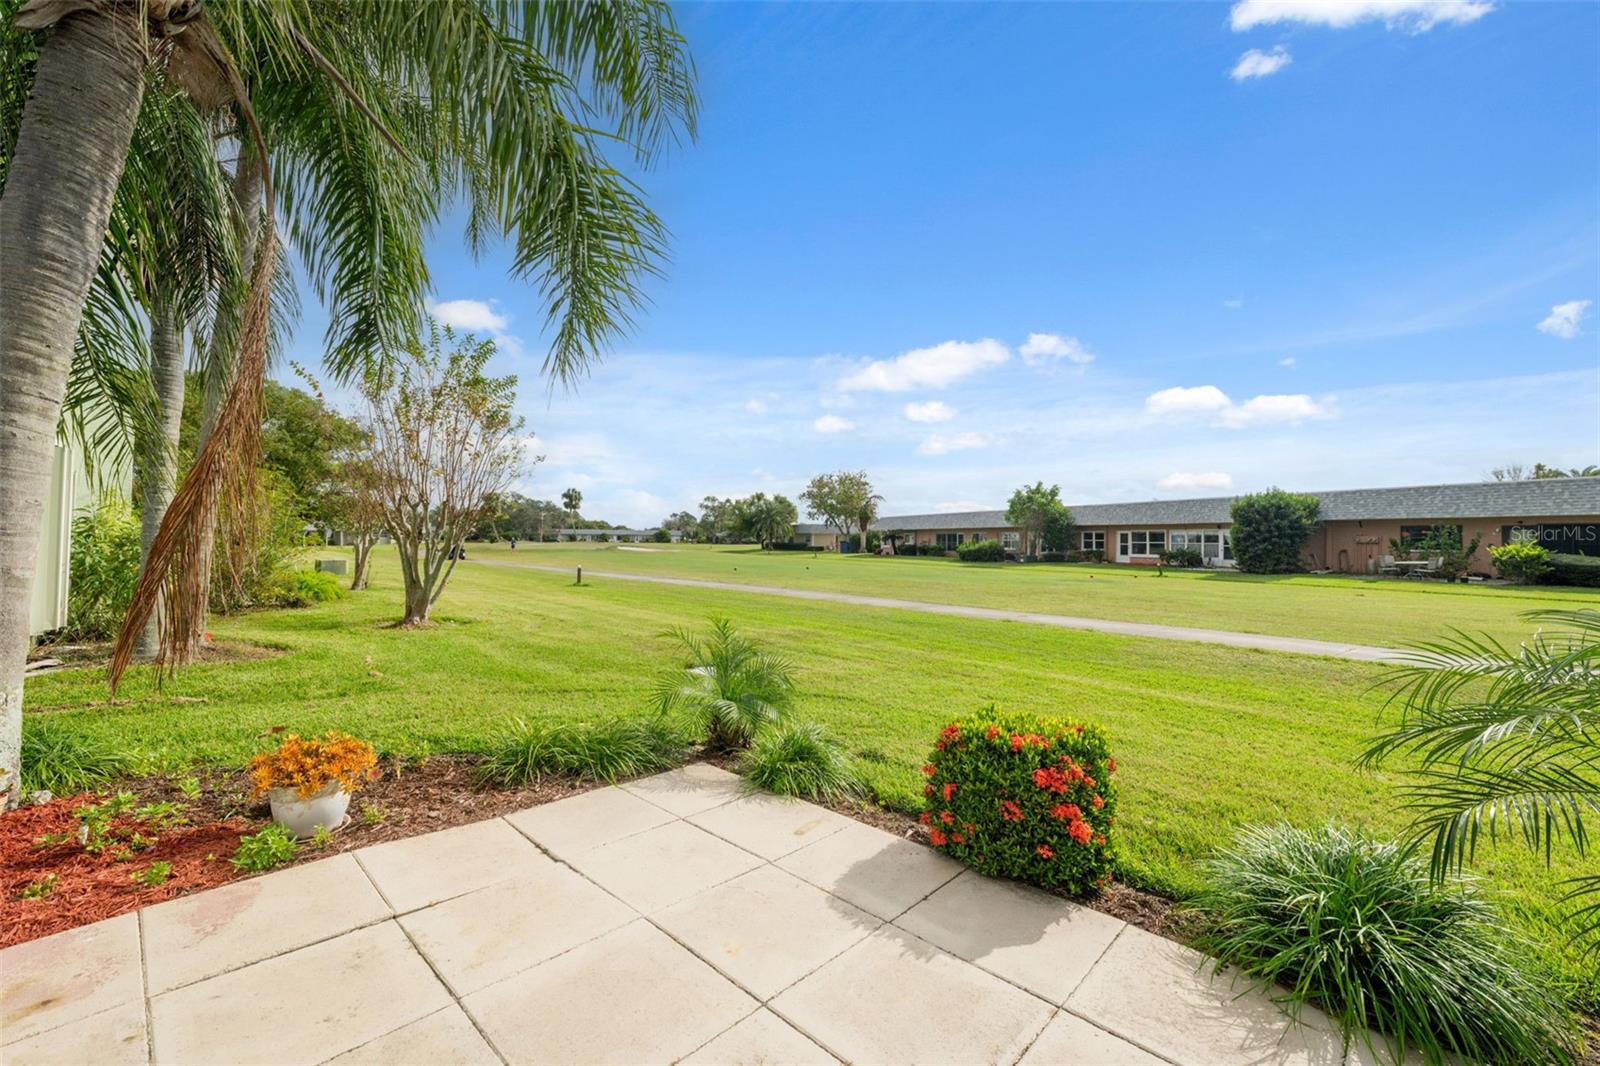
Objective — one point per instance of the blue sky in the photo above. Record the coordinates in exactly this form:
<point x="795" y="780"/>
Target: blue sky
<point x="1141" y="250"/>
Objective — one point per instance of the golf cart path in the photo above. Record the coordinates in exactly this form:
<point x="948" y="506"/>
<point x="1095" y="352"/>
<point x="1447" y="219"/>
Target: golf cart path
<point x="1260" y="641"/>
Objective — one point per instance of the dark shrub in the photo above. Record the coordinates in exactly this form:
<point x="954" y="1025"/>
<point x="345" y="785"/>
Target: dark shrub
<point x="1015" y="795"/>
<point x="1086" y="557"/>
<point x="1052" y="557"/>
<point x="1270" y="528"/>
<point x="1580" y="570"/>
<point x="1185" y="558"/>
<point x="981" y="551"/>
<point x="1357" y="927"/>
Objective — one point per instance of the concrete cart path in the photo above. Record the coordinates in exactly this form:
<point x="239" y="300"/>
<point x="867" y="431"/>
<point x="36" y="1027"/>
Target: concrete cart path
<point x="1260" y="641"/>
<point x="676" y="918"/>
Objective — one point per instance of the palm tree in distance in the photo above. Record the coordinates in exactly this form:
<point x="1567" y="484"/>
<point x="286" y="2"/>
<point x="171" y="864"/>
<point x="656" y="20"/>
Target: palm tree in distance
<point x="572" y="499"/>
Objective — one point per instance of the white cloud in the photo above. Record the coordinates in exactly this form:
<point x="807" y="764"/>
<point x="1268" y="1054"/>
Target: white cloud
<point x="941" y="444"/>
<point x="1259" y="411"/>
<point x="1042" y="346"/>
<point x="1287" y="360"/>
<point x="1565" y="320"/>
<point x="932" y="411"/>
<point x="1211" y="480"/>
<point x="1414" y="16"/>
<point x="474" y="315"/>
<point x="1258" y="64"/>
<point x="1233" y="304"/>
<point x="1182" y="401"/>
<point x="832" y="424"/>
<point x="927" y="368"/>
<point x="756" y="407"/>
<point x="1276" y="410"/>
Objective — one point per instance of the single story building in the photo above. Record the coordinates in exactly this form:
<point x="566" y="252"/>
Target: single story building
<point x="611" y="534"/>
<point x="1357" y="524"/>
<point x="816" y="535"/>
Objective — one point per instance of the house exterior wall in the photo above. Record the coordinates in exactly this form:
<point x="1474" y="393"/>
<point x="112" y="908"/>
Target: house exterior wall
<point x="1358" y="547"/>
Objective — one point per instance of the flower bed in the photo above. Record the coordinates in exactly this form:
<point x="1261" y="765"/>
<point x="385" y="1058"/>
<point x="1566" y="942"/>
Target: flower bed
<point x="48" y="887"/>
<point x="1024" y="797"/>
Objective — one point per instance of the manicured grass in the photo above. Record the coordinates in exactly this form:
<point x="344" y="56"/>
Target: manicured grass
<point x="1207" y="738"/>
<point x="1381" y="611"/>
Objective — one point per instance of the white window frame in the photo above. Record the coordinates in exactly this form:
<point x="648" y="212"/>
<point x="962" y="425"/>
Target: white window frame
<point x="1010" y="540"/>
<point x="1141" y="543"/>
<point x="1092" y="540"/>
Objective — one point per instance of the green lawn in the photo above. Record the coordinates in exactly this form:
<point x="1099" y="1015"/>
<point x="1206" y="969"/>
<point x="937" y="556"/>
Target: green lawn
<point x="1381" y="611"/>
<point x="1208" y="738"/>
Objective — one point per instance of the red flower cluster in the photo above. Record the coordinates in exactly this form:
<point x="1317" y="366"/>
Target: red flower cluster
<point x="1080" y="831"/>
<point x="928" y="769"/>
<point x="1010" y="811"/>
<point x="1033" y="740"/>
<point x="1051" y="779"/>
<point x="937" y="838"/>
<point x="992" y="732"/>
<point x="947" y="818"/>
<point x="1045" y="851"/>
<point x="949" y="790"/>
<point x="1066" y="812"/>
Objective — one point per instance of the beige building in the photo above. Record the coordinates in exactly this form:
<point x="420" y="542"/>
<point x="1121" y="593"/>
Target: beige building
<point x="1357" y="524"/>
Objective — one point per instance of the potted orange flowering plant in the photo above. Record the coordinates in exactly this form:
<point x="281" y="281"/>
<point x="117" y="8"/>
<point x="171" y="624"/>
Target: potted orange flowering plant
<point x="309" y="782"/>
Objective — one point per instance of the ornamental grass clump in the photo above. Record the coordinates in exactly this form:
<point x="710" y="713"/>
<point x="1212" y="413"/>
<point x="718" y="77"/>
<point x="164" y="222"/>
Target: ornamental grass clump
<point x="801" y="759"/>
<point x="527" y="752"/>
<point x="1020" y="796"/>
<point x="1357" y="927"/>
<point x="310" y="765"/>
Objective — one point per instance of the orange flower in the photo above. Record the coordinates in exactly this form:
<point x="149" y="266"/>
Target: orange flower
<point x="937" y="838"/>
<point x="992" y="732"/>
<point x="1079" y="830"/>
<point x="1010" y="811"/>
<point x="928" y="769"/>
<point x="1066" y="812"/>
<point x="308" y="766"/>
<point x="949" y="790"/>
<point x="1045" y="851"/>
<point x="1097" y="802"/>
<point x="947" y="818"/>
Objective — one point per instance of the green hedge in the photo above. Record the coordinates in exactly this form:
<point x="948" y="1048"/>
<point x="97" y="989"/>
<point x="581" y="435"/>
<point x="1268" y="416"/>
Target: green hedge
<point x="981" y="551"/>
<point x="1581" y="570"/>
<point x="1020" y="796"/>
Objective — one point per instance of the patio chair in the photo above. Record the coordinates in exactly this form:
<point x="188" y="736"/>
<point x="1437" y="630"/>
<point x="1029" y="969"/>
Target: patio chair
<point x="1386" y="566"/>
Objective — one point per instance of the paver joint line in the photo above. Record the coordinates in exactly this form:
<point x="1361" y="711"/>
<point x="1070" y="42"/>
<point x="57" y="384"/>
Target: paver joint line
<point x="1260" y="641"/>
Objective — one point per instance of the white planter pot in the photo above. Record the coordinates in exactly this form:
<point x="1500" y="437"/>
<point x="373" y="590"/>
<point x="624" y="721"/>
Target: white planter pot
<point x="302" y="816"/>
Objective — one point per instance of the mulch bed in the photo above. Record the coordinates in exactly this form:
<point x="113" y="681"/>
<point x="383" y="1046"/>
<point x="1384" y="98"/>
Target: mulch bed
<point x="410" y="798"/>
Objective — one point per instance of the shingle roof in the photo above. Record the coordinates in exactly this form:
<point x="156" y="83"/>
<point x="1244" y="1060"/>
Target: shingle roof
<point x="812" y="527"/>
<point x="1572" y="497"/>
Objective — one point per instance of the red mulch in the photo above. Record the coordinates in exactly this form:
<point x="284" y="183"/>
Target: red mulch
<point x="91" y="887"/>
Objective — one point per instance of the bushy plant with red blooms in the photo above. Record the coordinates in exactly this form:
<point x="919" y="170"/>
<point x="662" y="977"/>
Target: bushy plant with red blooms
<point x="1020" y="796"/>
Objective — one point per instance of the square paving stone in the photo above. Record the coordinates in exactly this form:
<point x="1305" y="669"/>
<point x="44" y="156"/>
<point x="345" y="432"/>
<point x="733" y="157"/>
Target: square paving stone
<point x="69" y="976"/>
<point x="224" y="928"/>
<point x="1029" y="937"/>
<point x="766" y="929"/>
<point x="303" y="1007"/>
<point x="661" y="866"/>
<point x="689" y="789"/>
<point x="770" y="826"/>
<point x="113" y="1037"/>
<point x="447" y="1038"/>
<point x="578" y="823"/>
<point x="763" y="1039"/>
<point x="894" y="998"/>
<point x="477" y="939"/>
<point x="1070" y="1041"/>
<point x="1150" y="990"/>
<point x="877" y="871"/>
<point x="420" y="870"/>
<point x="633" y="996"/>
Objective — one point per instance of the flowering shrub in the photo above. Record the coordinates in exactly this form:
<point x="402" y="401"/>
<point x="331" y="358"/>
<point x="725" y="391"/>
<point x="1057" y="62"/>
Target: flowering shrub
<point x="1020" y="796"/>
<point x="308" y="765"/>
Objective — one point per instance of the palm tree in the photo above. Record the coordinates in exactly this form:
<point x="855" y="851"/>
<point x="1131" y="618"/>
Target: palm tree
<point x="572" y="499"/>
<point x="1506" y="740"/>
<point x="379" y="114"/>
<point x="730" y="686"/>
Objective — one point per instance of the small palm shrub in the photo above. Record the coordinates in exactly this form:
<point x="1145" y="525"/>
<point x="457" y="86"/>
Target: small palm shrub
<point x="800" y="759"/>
<point x="981" y="551"/>
<point x="730" y="686"/>
<point x="1357" y="927"/>
<point x="1520" y="561"/>
<point x="64" y="762"/>
<point x="599" y="751"/>
<point x="1014" y="795"/>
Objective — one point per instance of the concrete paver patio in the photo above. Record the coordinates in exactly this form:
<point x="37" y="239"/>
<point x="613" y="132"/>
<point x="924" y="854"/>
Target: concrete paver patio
<point x="675" y="918"/>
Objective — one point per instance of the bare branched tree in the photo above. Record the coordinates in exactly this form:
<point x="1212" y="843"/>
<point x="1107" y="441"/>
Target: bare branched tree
<point x="443" y="442"/>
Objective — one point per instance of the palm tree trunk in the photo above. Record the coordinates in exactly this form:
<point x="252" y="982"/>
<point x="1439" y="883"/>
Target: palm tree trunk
<point x="158" y="459"/>
<point x="53" y="213"/>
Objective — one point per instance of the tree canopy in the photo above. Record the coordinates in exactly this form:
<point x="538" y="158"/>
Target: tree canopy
<point x="1040" y="514"/>
<point x="1270" y="529"/>
<point x="843" y="500"/>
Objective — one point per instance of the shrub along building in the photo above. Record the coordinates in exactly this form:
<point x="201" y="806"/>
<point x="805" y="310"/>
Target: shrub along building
<point x="1357" y="525"/>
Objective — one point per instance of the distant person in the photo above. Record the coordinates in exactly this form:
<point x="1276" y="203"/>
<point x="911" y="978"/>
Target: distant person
<point x="513" y="543"/>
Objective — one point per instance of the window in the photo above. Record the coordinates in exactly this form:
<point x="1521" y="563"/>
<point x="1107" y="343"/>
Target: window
<point x="1010" y="540"/>
<point x="1412" y="535"/>
<point x="949" y="541"/>
<point x="1567" y="538"/>
<point x="1093" y="540"/>
<point x="1132" y="542"/>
